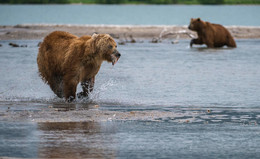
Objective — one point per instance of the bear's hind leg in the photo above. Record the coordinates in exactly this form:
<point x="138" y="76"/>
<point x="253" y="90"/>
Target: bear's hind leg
<point x="59" y="90"/>
<point x="70" y="88"/>
<point x="231" y="43"/>
<point x="57" y="86"/>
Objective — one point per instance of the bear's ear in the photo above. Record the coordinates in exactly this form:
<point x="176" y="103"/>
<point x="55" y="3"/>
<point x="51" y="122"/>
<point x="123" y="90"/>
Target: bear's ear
<point x="94" y="36"/>
<point x="198" y="19"/>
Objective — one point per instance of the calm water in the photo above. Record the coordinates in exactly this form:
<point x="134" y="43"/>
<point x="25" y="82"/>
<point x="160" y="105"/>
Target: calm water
<point x="128" y="140"/>
<point x="245" y="15"/>
<point x="148" y="77"/>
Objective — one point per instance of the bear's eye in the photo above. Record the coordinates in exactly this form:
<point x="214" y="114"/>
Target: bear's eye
<point x="110" y="46"/>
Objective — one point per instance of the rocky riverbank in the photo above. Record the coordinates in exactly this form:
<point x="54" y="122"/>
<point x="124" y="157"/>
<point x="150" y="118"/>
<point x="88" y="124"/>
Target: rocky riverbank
<point x="123" y="32"/>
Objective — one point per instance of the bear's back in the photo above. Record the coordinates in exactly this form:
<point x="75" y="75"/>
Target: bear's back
<point x="55" y="46"/>
<point x="222" y="36"/>
<point x="52" y="52"/>
<point x="57" y="41"/>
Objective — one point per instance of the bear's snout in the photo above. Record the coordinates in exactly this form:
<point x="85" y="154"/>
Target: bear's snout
<point x="116" y="53"/>
<point x="115" y="57"/>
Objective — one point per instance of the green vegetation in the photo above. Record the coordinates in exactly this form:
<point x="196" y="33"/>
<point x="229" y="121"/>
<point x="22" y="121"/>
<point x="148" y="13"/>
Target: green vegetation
<point x="242" y="1"/>
<point x="130" y="1"/>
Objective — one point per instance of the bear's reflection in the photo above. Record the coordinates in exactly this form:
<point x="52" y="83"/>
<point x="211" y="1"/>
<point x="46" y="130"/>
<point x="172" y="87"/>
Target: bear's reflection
<point x="74" y="140"/>
<point x="73" y="106"/>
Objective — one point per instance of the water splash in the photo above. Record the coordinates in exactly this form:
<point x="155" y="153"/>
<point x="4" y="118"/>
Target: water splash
<point x="102" y="89"/>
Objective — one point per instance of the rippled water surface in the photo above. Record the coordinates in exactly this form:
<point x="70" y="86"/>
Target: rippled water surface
<point x="178" y="101"/>
<point x="149" y="74"/>
<point x="128" y="140"/>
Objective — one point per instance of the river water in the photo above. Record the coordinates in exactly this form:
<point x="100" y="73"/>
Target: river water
<point x="160" y="100"/>
<point x="211" y="98"/>
<point x="244" y="15"/>
<point x="149" y="74"/>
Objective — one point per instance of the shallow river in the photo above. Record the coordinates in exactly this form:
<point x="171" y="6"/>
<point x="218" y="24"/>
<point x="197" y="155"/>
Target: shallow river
<point x="182" y="102"/>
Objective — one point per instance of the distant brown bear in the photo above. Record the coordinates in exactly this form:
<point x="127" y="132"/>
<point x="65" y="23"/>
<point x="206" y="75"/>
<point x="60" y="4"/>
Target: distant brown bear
<point x="213" y="35"/>
<point x="64" y="60"/>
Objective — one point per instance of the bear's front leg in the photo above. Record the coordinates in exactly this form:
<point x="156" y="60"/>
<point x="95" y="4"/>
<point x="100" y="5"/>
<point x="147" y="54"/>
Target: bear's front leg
<point x="87" y="87"/>
<point x="70" y="87"/>
<point x="196" y="41"/>
<point x="191" y="42"/>
<point x="210" y="44"/>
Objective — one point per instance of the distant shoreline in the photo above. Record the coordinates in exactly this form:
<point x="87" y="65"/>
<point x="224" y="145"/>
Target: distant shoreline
<point x="123" y="32"/>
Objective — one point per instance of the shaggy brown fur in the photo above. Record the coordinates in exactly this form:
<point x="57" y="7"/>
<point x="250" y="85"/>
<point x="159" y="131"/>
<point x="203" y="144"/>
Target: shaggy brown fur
<point x="64" y="60"/>
<point x="213" y="35"/>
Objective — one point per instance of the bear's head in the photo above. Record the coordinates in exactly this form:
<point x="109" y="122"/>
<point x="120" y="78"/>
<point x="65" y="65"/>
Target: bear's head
<point x="106" y="46"/>
<point x="196" y="24"/>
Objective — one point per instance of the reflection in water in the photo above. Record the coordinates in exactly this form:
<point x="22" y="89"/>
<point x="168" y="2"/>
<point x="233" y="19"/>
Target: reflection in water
<point x="62" y="106"/>
<point x="57" y="140"/>
<point x="74" y="140"/>
<point x="18" y="139"/>
<point x="129" y="139"/>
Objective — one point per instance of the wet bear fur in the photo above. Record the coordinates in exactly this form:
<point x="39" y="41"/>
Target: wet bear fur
<point x="64" y="60"/>
<point x="213" y="35"/>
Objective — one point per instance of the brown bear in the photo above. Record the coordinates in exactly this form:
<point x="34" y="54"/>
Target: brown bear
<point x="213" y="35"/>
<point x="64" y="60"/>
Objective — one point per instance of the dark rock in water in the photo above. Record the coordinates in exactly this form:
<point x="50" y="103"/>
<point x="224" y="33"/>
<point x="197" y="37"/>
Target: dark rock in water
<point x="115" y="36"/>
<point x="16" y="45"/>
<point x="121" y="43"/>
<point x="22" y="26"/>
<point x="13" y="45"/>
<point x="175" y="42"/>
<point x="0" y="45"/>
<point x="132" y="39"/>
<point x="155" y="40"/>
